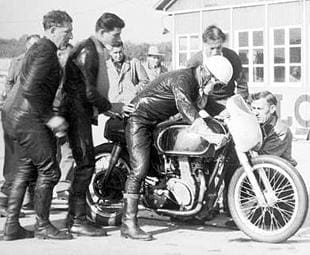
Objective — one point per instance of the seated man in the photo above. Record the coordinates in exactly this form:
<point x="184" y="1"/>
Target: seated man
<point x="177" y="91"/>
<point x="276" y="134"/>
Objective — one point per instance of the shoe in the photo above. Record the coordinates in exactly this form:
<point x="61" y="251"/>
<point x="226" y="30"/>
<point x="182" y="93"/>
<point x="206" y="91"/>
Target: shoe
<point x="13" y="231"/>
<point x="49" y="231"/>
<point x="82" y="227"/>
<point x="130" y="228"/>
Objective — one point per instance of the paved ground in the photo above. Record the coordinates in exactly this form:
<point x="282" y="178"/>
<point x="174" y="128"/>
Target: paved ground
<point x="170" y="238"/>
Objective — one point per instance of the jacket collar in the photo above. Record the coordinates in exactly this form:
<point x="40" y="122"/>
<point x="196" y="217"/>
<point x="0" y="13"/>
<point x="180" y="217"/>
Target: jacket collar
<point x="269" y="124"/>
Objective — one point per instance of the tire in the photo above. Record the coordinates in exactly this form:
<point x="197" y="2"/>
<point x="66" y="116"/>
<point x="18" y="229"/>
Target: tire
<point x="105" y="204"/>
<point x="283" y="217"/>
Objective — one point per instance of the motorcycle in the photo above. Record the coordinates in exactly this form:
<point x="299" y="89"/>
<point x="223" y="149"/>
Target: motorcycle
<point x="267" y="197"/>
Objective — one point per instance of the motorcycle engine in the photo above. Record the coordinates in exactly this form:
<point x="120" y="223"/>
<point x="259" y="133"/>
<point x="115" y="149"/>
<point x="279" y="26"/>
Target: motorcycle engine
<point x="176" y="189"/>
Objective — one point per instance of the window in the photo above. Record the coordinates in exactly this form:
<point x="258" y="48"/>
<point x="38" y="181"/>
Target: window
<point x="187" y="46"/>
<point x="286" y="54"/>
<point x="250" y="45"/>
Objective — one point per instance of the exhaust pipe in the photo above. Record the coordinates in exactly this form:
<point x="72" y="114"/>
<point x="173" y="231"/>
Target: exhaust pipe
<point x="202" y="190"/>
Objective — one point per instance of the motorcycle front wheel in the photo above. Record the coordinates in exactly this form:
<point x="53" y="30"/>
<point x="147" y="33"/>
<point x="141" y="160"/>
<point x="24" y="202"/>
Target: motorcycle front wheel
<point x="284" y="213"/>
<point x="105" y="200"/>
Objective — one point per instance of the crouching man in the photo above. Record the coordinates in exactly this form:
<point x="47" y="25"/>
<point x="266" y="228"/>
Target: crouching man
<point x="277" y="136"/>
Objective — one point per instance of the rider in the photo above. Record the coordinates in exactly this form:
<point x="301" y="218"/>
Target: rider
<point x="185" y="91"/>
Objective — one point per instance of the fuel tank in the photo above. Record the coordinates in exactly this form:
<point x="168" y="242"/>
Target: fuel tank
<point x="176" y="138"/>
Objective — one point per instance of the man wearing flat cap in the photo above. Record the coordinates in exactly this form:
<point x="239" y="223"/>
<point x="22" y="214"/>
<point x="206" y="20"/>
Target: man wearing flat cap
<point x="154" y="66"/>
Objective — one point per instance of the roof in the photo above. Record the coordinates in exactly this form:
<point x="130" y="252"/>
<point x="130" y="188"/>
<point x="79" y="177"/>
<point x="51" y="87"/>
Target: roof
<point x="163" y="4"/>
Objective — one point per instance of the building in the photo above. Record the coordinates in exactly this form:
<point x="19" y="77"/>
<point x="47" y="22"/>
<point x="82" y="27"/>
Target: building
<point x="271" y="37"/>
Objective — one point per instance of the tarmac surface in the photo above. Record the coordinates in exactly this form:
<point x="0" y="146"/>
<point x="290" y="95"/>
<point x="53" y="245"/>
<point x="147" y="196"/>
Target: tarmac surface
<point x="170" y="238"/>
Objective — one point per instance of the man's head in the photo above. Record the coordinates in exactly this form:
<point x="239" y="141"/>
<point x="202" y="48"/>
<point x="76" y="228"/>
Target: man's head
<point x="31" y="39"/>
<point x="264" y="105"/>
<point x="154" y="57"/>
<point x="58" y="27"/>
<point x="117" y="52"/>
<point x="108" y="28"/>
<point x="215" y="70"/>
<point x="63" y="54"/>
<point x="213" y="39"/>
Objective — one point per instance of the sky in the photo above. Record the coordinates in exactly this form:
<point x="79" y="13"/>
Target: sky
<point x="143" y="23"/>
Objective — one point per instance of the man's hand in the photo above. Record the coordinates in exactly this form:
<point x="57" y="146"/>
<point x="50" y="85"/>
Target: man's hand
<point x="200" y="127"/>
<point x="58" y="125"/>
<point x="127" y="109"/>
<point x="223" y="115"/>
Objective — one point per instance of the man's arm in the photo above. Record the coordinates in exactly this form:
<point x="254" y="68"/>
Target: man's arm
<point x="40" y="67"/>
<point x="242" y="85"/>
<point x="85" y="63"/>
<point x="141" y="75"/>
<point x="184" y="104"/>
<point x="238" y="75"/>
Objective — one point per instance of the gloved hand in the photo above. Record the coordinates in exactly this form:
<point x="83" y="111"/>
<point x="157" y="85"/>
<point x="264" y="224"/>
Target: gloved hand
<point x="127" y="109"/>
<point x="58" y="125"/>
<point x="200" y="127"/>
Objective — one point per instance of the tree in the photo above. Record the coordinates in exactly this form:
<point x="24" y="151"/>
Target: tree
<point x="140" y="50"/>
<point x="11" y="47"/>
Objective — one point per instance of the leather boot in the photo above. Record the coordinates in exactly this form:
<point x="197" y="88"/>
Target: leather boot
<point x="13" y="231"/>
<point x="12" y="228"/>
<point x="130" y="227"/>
<point x="77" y="222"/>
<point x="44" y="229"/>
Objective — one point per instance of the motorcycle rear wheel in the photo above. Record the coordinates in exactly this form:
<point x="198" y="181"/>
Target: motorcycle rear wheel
<point x="279" y="220"/>
<point x="105" y="202"/>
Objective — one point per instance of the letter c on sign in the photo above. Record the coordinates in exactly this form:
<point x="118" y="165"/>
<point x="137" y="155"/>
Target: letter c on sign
<point x="299" y="101"/>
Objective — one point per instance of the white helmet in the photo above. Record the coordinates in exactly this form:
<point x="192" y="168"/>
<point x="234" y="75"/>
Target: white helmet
<point x="220" y="67"/>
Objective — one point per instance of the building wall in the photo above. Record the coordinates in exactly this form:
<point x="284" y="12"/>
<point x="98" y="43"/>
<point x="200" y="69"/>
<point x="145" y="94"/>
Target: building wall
<point x="272" y="39"/>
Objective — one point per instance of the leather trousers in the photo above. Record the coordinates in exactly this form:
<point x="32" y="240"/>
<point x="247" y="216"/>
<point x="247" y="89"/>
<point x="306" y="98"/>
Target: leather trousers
<point x="139" y="138"/>
<point x="80" y="139"/>
<point x="36" y="153"/>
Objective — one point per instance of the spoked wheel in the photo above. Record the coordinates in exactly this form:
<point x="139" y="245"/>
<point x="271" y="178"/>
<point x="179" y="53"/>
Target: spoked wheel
<point x="105" y="199"/>
<point x="286" y="205"/>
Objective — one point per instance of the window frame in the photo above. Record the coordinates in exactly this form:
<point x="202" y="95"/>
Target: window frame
<point x="188" y="50"/>
<point x="286" y="64"/>
<point x="251" y="49"/>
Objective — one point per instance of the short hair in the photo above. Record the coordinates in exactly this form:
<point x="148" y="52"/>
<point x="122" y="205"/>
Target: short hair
<point x="109" y="21"/>
<point x="29" y="37"/>
<point x="213" y="33"/>
<point x="118" y="44"/>
<point x="270" y="98"/>
<point x="56" y="18"/>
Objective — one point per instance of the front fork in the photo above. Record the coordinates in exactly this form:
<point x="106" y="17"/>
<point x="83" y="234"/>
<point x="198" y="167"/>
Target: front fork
<point x="265" y="197"/>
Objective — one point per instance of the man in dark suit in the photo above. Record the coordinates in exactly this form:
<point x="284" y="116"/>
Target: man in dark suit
<point x="29" y="118"/>
<point x="9" y="167"/>
<point x="85" y="96"/>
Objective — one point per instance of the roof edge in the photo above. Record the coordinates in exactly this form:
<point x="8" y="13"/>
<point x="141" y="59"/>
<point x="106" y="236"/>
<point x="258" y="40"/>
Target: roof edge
<point x="162" y="5"/>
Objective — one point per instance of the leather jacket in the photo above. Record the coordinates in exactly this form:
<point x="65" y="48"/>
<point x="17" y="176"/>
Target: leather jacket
<point x="167" y="95"/>
<point x="81" y="81"/>
<point x="277" y="139"/>
<point x="36" y="87"/>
